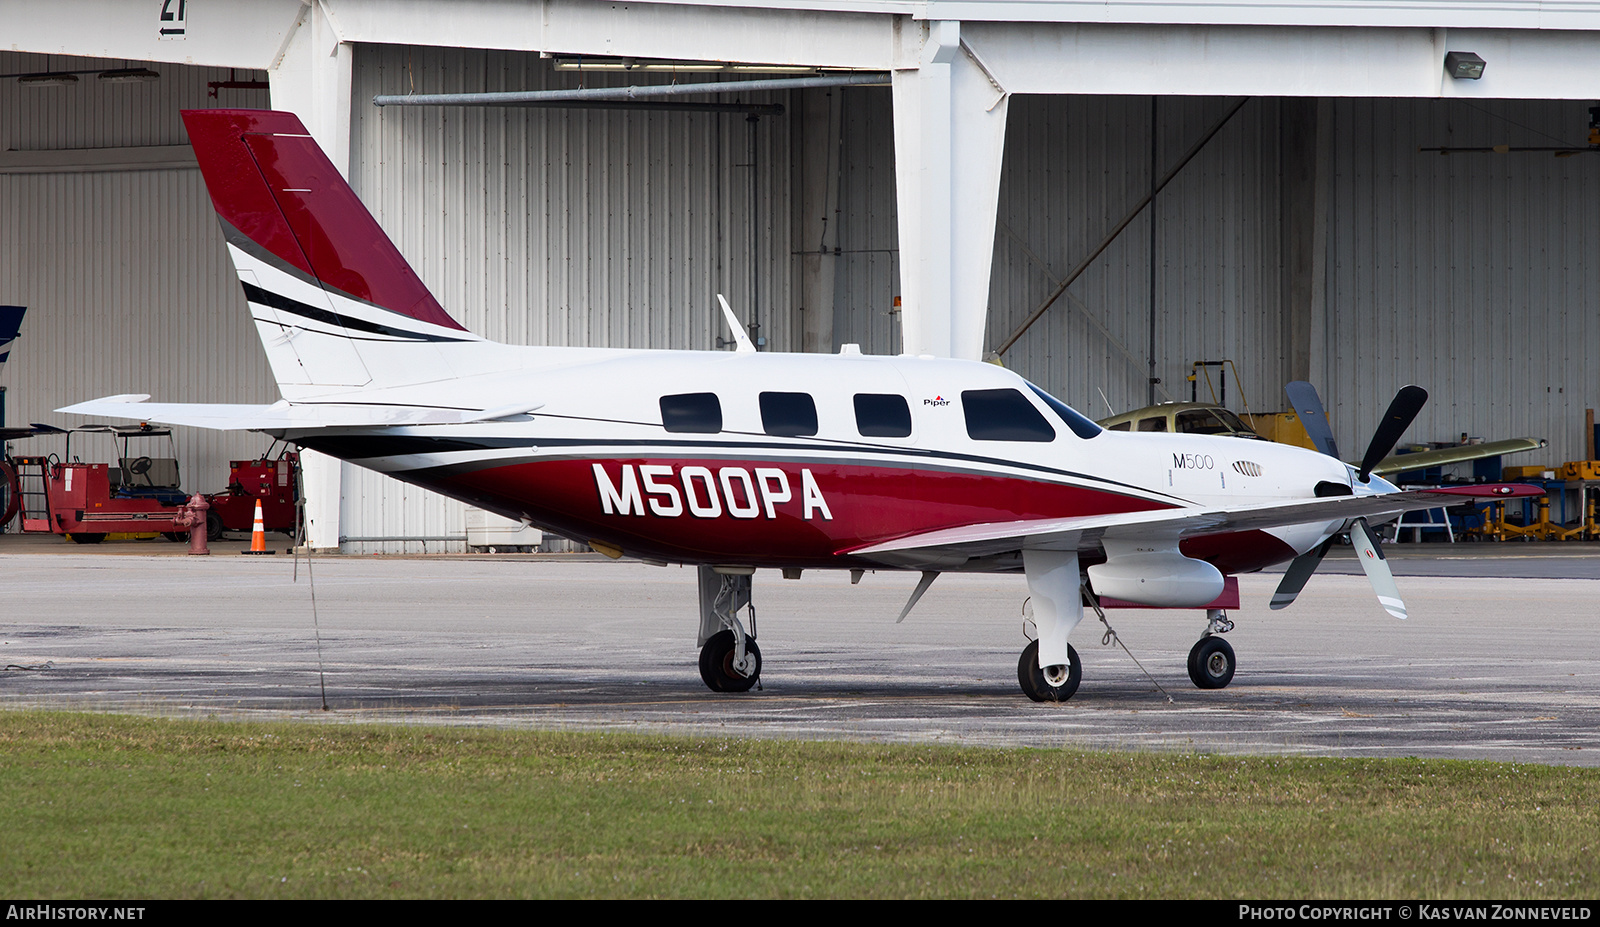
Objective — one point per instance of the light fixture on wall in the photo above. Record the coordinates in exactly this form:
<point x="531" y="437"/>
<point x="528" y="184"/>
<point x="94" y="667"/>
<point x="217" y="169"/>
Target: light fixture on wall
<point x="48" y="79"/>
<point x="68" y="78"/>
<point x="129" y="75"/>
<point x="1463" y="65"/>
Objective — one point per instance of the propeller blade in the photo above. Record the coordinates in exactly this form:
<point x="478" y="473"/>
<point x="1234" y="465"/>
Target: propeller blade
<point x="1294" y="578"/>
<point x="1377" y="567"/>
<point x="1308" y="406"/>
<point x="1407" y="403"/>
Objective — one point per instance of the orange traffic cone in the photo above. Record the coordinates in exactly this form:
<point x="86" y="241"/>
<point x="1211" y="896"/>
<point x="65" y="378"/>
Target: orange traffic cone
<point x="258" y="535"/>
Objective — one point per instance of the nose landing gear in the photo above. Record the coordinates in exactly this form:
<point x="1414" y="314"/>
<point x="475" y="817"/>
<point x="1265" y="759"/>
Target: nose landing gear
<point x="721" y="667"/>
<point x="1211" y="661"/>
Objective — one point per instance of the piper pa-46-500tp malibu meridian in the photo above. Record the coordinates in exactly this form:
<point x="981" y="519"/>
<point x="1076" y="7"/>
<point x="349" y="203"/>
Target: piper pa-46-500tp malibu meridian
<point x="736" y="460"/>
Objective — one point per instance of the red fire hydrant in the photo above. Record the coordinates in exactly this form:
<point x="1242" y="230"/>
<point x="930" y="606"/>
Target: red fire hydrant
<point x="193" y="517"/>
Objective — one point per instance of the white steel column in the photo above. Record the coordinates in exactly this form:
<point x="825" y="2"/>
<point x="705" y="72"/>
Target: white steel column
<point x="949" y="126"/>
<point x="311" y="78"/>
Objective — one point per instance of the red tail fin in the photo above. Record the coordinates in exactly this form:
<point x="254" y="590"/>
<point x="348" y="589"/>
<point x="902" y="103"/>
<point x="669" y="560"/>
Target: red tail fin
<point x="273" y="187"/>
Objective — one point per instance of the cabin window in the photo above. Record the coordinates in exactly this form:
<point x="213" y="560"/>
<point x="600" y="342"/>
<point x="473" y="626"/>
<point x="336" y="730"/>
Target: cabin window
<point x="692" y="413"/>
<point x="1120" y="426"/>
<point x="1003" y="415"/>
<point x="1153" y="424"/>
<point x="788" y="414"/>
<point x="882" y="415"/>
<point x="1081" y="424"/>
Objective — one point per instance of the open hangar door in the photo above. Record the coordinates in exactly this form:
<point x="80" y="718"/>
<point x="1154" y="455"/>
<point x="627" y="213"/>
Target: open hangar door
<point x="110" y="241"/>
<point x="1311" y="239"/>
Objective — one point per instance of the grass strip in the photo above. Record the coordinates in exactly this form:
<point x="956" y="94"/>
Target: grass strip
<point x="110" y="807"/>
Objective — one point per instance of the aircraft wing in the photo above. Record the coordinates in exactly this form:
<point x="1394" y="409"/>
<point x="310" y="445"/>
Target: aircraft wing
<point x="286" y="416"/>
<point x="1003" y="537"/>
<point x="1444" y="456"/>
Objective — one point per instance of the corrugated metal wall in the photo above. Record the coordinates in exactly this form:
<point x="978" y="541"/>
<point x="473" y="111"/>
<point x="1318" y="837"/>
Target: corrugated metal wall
<point x="124" y="273"/>
<point x="1467" y="274"/>
<point x="1473" y="275"/>
<point x="1074" y="168"/>
<point x="563" y="226"/>
<point x="868" y="276"/>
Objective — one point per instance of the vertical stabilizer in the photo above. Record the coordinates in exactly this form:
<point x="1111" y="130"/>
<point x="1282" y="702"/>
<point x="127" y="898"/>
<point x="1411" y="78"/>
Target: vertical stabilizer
<point x="335" y="303"/>
<point x="10" y="327"/>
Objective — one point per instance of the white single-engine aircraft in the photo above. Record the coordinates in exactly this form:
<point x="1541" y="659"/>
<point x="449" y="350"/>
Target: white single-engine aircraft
<point x="736" y="460"/>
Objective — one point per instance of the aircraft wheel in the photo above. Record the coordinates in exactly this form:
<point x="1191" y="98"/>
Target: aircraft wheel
<point x="1211" y="663"/>
<point x="716" y="663"/>
<point x="82" y="538"/>
<point x="1037" y="686"/>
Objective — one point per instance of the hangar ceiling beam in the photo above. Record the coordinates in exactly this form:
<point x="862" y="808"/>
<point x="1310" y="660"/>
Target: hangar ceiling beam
<point x="766" y="33"/>
<point x="1283" y="61"/>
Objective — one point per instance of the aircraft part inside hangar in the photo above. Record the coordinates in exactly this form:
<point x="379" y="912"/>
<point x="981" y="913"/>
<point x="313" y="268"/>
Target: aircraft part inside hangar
<point x="1310" y="237"/>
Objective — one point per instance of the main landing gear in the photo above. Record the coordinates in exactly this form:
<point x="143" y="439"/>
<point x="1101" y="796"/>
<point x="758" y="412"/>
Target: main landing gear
<point x="730" y="661"/>
<point x="1052" y="683"/>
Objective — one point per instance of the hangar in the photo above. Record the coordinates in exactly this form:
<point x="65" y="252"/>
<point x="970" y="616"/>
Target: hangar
<point x="925" y="179"/>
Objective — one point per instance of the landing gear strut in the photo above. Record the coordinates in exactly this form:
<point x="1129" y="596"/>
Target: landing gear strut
<point x="1054" y="607"/>
<point x="1211" y="662"/>
<point x="730" y="661"/>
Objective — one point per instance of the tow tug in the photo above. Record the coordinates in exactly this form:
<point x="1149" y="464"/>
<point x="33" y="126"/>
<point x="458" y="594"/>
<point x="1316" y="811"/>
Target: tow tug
<point x="87" y="501"/>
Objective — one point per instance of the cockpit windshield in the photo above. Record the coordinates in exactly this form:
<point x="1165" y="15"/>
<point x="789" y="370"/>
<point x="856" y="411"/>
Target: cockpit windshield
<point x="1212" y="422"/>
<point x="1075" y="420"/>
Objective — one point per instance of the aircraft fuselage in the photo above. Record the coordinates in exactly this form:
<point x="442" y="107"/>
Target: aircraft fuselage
<point x="810" y="457"/>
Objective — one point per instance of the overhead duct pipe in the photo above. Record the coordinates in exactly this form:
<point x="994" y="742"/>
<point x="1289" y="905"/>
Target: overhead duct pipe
<point x="622" y="96"/>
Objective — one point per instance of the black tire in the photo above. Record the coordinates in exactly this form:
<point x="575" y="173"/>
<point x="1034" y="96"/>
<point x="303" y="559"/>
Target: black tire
<point x="82" y="538"/>
<point x="1211" y="663"/>
<point x="1032" y="680"/>
<point x="213" y="526"/>
<point x="176" y="537"/>
<point x="716" y="663"/>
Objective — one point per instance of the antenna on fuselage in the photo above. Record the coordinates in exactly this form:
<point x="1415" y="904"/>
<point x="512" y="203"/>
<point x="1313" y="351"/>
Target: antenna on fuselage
<point x="1109" y="410"/>
<point x="740" y="339"/>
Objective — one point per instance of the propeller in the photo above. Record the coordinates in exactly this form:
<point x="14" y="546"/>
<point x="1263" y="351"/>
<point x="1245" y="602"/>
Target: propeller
<point x="1294" y="578"/>
<point x="1308" y="407"/>
<point x="1402" y="411"/>
<point x="1377" y="567"/>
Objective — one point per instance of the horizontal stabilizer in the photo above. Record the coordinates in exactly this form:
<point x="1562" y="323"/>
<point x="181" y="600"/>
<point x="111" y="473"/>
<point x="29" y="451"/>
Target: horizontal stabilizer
<point x="286" y="416"/>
